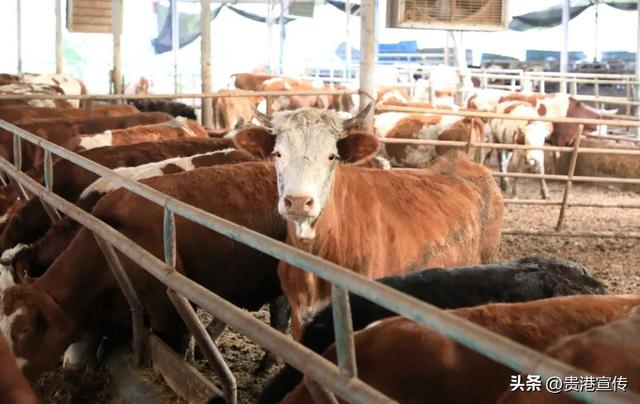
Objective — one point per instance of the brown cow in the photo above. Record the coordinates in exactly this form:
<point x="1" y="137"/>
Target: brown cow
<point x="375" y="222"/>
<point x="13" y="113"/>
<point x="31" y="221"/>
<point x="251" y="81"/>
<point x="60" y="130"/>
<point x="393" y="93"/>
<point x="612" y="350"/>
<point x="229" y="112"/>
<point x="427" y="364"/>
<point x="48" y="314"/>
<point x="14" y="388"/>
<point x="176" y="128"/>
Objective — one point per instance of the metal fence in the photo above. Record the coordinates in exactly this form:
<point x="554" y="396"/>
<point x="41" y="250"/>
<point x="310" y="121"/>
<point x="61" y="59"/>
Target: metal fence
<point x="341" y="380"/>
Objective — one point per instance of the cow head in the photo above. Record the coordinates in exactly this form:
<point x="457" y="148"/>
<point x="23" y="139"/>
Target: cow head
<point x="307" y="144"/>
<point x="36" y="328"/>
<point x="565" y="133"/>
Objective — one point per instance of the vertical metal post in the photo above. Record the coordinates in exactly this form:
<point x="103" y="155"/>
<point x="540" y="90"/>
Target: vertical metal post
<point x="53" y="214"/>
<point x="189" y="316"/>
<point x="205" y="68"/>
<point x="567" y="188"/>
<point x="564" y="55"/>
<point x="269" y="106"/>
<point x="596" y="92"/>
<point x="175" y="42"/>
<point x="367" y="57"/>
<point x="446" y="48"/>
<point x="284" y="10"/>
<point x="347" y="42"/>
<point x="169" y="237"/>
<point x="209" y="349"/>
<point x="17" y="162"/>
<point x="135" y="305"/>
<point x="637" y="75"/>
<point x="117" y="11"/>
<point x="88" y="104"/>
<point x="319" y="394"/>
<point x="343" y="329"/>
<point x="19" y="34"/>
<point x="59" y="54"/>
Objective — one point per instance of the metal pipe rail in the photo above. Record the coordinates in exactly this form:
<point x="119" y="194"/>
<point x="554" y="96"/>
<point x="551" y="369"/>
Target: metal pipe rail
<point x="494" y="346"/>
<point x="115" y="97"/>
<point x="493" y="115"/>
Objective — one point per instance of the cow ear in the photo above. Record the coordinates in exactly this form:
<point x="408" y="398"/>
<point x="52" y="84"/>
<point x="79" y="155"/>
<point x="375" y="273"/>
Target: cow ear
<point x="255" y="140"/>
<point x="357" y="146"/>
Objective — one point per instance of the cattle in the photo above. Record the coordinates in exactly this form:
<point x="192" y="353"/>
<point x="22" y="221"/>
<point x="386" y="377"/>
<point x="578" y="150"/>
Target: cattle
<point x="388" y="94"/>
<point x="176" y="128"/>
<point x="519" y="280"/>
<point x="375" y="222"/>
<point x="68" y="84"/>
<point x="14" y="388"/>
<point x="428" y="127"/>
<point x="427" y="364"/>
<point x="485" y="99"/>
<point x="172" y="108"/>
<point x="8" y="79"/>
<point x="251" y="81"/>
<point x="530" y="132"/>
<point x="561" y="106"/>
<point x="284" y="102"/>
<point x="610" y="350"/>
<point x="69" y="180"/>
<point x="34" y="89"/>
<point x="13" y="113"/>
<point x="31" y="261"/>
<point x="229" y="112"/>
<point x="61" y="130"/>
<point x="245" y="194"/>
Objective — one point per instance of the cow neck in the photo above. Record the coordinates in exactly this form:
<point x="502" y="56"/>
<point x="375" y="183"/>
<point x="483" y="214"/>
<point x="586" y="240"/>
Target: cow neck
<point x="76" y="279"/>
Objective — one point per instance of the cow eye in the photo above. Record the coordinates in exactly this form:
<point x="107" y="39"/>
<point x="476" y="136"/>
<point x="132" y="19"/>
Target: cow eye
<point x="277" y="154"/>
<point x="333" y="156"/>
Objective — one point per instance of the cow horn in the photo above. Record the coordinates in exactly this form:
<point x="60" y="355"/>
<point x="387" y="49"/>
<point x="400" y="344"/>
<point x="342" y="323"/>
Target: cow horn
<point x="264" y="119"/>
<point x="356" y="121"/>
<point x="609" y="112"/>
<point x="6" y="261"/>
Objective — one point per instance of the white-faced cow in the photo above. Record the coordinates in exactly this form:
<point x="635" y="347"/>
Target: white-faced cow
<point x="374" y="222"/>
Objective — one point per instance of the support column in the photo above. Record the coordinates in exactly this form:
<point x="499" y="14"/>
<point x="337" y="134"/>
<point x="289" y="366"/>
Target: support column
<point x="175" y="42"/>
<point x="19" y="34"/>
<point x="117" y="11"/>
<point x="59" y="56"/>
<point x="205" y="55"/>
<point x="564" y="55"/>
<point x="637" y="86"/>
<point x="367" y="57"/>
<point x="347" y="42"/>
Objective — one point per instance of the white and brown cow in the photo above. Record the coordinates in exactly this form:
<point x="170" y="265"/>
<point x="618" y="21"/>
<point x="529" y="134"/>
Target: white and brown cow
<point x="68" y="84"/>
<point x="426" y="127"/>
<point x="531" y="132"/>
<point x="34" y="89"/>
<point x="375" y="222"/>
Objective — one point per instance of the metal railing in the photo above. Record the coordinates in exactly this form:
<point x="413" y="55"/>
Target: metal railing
<point x="340" y="380"/>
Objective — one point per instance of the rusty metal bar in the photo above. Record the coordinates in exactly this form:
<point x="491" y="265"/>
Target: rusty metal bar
<point x="190" y="318"/>
<point x="343" y="330"/>
<point x="610" y="180"/>
<point x="496" y="347"/>
<point x="567" y="185"/>
<point x="135" y="305"/>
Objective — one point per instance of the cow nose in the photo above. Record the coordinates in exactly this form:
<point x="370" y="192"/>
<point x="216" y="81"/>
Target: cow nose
<point x="298" y="205"/>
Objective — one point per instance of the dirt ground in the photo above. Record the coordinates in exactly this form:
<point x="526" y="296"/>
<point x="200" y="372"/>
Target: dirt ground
<point x="614" y="261"/>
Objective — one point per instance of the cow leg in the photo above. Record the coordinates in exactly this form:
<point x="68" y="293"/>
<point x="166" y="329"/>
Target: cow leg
<point x="279" y="314"/>
<point x="504" y="156"/>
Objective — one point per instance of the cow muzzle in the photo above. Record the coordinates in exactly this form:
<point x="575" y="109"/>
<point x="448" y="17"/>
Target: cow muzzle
<point x="298" y="205"/>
